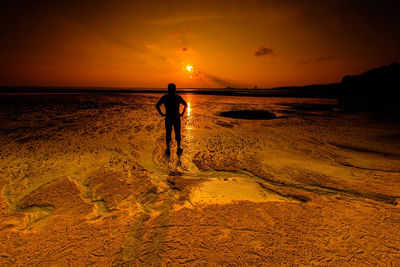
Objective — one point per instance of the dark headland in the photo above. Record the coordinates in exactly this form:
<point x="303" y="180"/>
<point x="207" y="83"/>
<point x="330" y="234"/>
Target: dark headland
<point x="377" y="88"/>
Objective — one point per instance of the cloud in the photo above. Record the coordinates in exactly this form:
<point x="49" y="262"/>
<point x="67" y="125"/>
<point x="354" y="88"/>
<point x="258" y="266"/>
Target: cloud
<point x="216" y="79"/>
<point x="262" y="51"/>
<point x="317" y="60"/>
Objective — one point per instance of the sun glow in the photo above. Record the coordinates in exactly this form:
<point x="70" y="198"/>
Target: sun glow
<point x="189" y="70"/>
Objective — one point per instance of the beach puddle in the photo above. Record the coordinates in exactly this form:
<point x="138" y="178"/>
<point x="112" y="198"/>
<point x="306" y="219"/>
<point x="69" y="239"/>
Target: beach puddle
<point x="248" y="114"/>
<point x="226" y="190"/>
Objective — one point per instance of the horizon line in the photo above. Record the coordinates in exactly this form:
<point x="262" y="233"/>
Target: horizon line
<point x="160" y="88"/>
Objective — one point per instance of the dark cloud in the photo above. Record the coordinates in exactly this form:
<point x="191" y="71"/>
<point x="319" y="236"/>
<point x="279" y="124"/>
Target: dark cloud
<point x="200" y="75"/>
<point x="216" y="79"/>
<point x="184" y="49"/>
<point x="262" y="51"/>
<point x="317" y="60"/>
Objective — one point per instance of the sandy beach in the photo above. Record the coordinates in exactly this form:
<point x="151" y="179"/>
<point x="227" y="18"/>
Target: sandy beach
<point x="85" y="181"/>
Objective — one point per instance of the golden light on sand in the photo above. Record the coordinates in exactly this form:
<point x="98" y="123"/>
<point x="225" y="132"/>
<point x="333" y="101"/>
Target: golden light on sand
<point x="234" y="175"/>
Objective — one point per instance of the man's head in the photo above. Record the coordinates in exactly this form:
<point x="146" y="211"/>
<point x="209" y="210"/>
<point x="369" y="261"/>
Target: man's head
<point x="171" y="88"/>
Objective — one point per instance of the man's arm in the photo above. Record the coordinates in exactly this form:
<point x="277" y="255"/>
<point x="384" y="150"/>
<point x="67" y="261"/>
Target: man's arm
<point x="183" y="102"/>
<point x="159" y="103"/>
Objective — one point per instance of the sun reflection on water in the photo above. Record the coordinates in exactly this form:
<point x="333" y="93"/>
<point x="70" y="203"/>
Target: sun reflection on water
<point x="188" y="109"/>
<point x="189" y="115"/>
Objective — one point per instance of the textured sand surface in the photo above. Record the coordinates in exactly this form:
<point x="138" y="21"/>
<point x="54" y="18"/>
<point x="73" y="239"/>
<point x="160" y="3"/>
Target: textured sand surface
<point x="84" y="181"/>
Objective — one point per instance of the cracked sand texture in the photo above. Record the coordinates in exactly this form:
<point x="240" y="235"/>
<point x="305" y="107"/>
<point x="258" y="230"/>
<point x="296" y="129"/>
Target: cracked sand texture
<point x="84" y="181"/>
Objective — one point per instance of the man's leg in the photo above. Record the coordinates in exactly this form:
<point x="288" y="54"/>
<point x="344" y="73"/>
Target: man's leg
<point x="168" y="130"/>
<point x="177" y="128"/>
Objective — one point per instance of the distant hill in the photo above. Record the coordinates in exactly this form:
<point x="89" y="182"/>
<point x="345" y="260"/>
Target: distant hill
<point x="375" y="89"/>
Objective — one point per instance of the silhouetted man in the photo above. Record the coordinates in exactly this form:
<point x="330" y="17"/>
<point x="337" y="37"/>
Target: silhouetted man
<point x="171" y="103"/>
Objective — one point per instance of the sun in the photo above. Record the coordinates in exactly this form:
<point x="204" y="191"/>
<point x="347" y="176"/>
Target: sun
<point x="189" y="69"/>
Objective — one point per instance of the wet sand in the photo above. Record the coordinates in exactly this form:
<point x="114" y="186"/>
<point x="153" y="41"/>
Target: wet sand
<point x="84" y="180"/>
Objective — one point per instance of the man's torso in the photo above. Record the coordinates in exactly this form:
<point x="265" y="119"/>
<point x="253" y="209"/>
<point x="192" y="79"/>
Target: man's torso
<point x="171" y="103"/>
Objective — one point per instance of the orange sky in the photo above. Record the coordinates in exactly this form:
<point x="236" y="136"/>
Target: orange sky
<point x="228" y="43"/>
